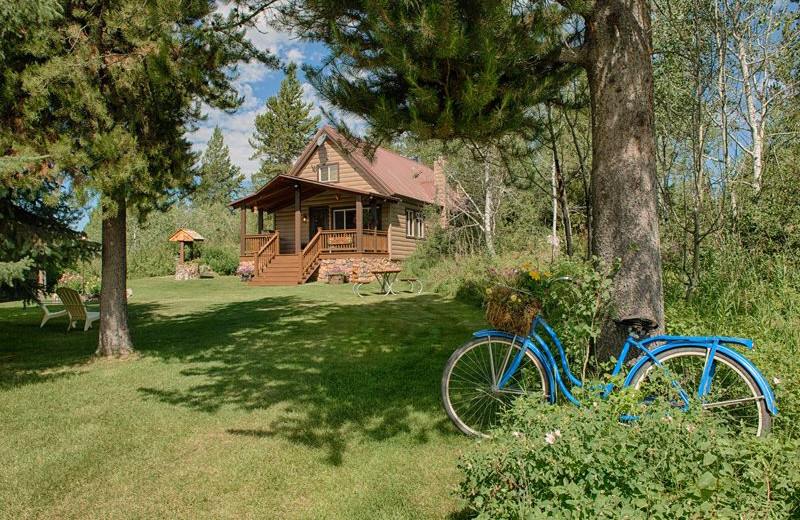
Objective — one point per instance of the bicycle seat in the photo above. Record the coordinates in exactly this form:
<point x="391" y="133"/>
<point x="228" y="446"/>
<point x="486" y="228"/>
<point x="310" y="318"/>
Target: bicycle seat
<point x="637" y="324"/>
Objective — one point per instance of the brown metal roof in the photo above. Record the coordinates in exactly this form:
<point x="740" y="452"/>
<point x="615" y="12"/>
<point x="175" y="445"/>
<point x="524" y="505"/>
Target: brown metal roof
<point x="279" y="193"/>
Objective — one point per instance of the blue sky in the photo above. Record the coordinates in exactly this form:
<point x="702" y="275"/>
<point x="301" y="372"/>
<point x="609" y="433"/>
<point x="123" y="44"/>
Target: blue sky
<point x="257" y="83"/>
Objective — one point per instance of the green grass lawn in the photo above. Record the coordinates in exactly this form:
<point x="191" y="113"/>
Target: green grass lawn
<point x="244" y="402"/>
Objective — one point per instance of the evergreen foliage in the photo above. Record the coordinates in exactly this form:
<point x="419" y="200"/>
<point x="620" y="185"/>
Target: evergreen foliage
<point x="109" y="90"/>
<point x="35" y="234"/>
<point x="219" y="180"/>
<point x="283" y="131"/>
<point x="438" y="69"/>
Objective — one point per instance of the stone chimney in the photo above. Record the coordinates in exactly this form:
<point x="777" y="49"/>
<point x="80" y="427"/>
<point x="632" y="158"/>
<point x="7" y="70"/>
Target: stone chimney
<point x="440" y="196"/>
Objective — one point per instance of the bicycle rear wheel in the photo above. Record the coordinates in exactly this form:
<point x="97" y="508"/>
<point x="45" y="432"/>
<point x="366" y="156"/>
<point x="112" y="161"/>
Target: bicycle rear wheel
<point x="734" y="396"/>
<point x="470" y="392"/>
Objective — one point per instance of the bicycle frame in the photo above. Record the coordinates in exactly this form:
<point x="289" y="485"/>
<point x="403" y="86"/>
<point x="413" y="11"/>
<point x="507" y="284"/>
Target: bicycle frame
<point x="535" y="344"/>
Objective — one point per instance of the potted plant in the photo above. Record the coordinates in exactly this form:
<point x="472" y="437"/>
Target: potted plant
<point x="246" y="271"/>
<point x="337" y="275"/>
<point x="514" y="298"/>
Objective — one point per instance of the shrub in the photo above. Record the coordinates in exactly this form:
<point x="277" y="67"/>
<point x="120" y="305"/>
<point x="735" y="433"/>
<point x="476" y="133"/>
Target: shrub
<point x="221" y="261"/>
<point x="581" y="462"/>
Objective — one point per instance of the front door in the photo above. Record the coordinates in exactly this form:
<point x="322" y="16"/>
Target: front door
<point x="317" y="218"/>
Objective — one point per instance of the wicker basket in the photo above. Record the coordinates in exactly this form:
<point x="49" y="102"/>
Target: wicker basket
<point x="516" y="320"/>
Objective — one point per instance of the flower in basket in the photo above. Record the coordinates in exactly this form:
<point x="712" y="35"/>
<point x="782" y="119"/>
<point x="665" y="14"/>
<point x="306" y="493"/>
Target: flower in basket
<point x="514" y="298"/>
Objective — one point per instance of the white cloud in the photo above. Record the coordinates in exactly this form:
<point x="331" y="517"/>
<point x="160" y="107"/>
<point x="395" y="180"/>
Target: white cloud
<point x="256" y="83"/>
<point x="295" y="55"/>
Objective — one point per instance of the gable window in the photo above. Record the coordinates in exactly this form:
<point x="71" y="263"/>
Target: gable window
<point x="328" y="173"/>
<point x="415" y="224"/>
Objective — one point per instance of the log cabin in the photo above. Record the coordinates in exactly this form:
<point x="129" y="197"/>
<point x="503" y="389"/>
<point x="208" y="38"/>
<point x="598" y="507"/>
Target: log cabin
<point x="336" y="209"/>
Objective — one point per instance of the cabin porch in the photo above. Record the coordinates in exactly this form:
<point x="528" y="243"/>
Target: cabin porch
<point x="311" y="221"/>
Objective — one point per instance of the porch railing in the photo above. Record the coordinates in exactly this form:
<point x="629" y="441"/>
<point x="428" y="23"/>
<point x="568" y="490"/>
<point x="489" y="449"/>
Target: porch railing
<point x="310" y="254"/>
<point x="344" y="241"/>
<point x="268" y="251"/>
<point x="253" y="243"/>
<point x="376" y="242"/>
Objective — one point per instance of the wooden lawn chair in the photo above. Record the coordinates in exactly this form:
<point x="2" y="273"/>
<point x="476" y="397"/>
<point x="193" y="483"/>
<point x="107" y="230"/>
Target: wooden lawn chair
<point x="47" y="314"/>
<point x="76" y="309"/>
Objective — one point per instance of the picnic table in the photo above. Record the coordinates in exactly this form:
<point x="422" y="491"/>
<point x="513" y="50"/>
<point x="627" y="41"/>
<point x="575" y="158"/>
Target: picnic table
<point x="386" y="278"/>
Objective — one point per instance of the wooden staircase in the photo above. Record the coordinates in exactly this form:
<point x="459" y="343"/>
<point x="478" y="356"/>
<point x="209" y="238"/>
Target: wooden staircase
<point x="278" y="269"/>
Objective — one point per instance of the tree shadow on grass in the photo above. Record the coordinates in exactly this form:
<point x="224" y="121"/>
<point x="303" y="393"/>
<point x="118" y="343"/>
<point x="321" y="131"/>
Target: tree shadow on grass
<point x="31" y="354"/>
<point x="333" y="369"/>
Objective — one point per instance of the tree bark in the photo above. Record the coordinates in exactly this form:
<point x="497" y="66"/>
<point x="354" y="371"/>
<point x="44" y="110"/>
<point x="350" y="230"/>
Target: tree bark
<point x="115" y="338"/>
<point x="488" y="207"/>
<point x="624" y="186"/>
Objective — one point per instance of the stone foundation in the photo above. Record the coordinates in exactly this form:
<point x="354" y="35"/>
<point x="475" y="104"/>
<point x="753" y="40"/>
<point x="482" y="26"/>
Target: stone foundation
<point x="187" y="272"/>
<point x="348" y="265"/>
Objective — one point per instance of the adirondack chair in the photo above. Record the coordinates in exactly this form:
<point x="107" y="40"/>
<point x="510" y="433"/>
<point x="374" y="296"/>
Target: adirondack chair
<point x="76" y="309"/>
<point x="47" y="313"/>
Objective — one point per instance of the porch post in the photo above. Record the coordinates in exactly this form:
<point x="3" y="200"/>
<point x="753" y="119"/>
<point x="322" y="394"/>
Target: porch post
<point x="181" y="252"/>
<point x="243" y="232"/>
<point x="374" y="204"/>
<point x="260" y="221"/>
<point x="297" y="219"/>
<point x="359" y="225"/>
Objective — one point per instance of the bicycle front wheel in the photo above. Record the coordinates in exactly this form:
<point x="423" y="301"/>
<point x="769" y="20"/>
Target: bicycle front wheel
<point x="470" y="392"/>
<point x="733" y="396"/>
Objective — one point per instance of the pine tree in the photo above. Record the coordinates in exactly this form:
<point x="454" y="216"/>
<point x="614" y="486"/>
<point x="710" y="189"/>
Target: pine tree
<point x="220" y="181"/>
<point x="109" y="90"/>
<point x="283" y="131"/>
<point x="478" y="69"/>
<point x="36" y="214"/>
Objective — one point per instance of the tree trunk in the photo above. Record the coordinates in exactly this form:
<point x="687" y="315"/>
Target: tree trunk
<point x="560" y="188"/>
<point x="115" y="339"/>
<point x="624" y="186"/>
<point x="488" y="208"/>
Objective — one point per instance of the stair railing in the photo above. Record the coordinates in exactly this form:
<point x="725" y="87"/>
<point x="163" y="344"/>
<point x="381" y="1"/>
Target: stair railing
<point x="310" y="254"/>
<point x="267" y="253"/>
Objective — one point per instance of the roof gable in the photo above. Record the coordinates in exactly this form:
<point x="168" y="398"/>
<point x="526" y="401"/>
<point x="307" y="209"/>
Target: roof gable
<point x="387" y="173"/>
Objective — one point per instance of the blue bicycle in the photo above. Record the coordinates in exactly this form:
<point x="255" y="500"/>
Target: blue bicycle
<point x="484" y="375"/>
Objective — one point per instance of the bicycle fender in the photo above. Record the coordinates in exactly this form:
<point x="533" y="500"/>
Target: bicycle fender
<point x="747" y="343"/>
<point x="533" y="348"/>
<point x="758" y="377"/>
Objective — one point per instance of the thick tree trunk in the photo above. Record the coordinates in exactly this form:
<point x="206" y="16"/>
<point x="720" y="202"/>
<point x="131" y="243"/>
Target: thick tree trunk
<point x="624" y="186"/>
<point x="115" y="339"/>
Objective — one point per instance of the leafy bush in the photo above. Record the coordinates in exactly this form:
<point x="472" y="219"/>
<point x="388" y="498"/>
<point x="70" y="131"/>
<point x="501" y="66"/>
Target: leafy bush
<point x="581" y="462"/>
<point x="221" y="261"/>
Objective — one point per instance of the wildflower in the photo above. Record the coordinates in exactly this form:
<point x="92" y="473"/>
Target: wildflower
<point x="546" y="274"/>
<point x="514" y="298"/>
<point x="690" y="428"/>
<point x="533" y="274"/>
<point x="551" y="437"/>
<point x="518" y="435"/>
<point x="527" y="267"/>
<point x="489" y="290"/>
<point x="595" y="404"/>
<point x="776" y="380"/>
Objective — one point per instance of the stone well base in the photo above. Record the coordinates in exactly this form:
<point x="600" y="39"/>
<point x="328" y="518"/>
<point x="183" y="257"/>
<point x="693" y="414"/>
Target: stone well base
<point x="187" y="272"/>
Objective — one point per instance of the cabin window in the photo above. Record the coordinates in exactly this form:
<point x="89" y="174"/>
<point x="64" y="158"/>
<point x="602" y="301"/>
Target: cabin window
<point x="369" y="222"/>
<point x="328" y="173"/>
<point x="344" y="218"/>
<point x="415" y="224"/>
